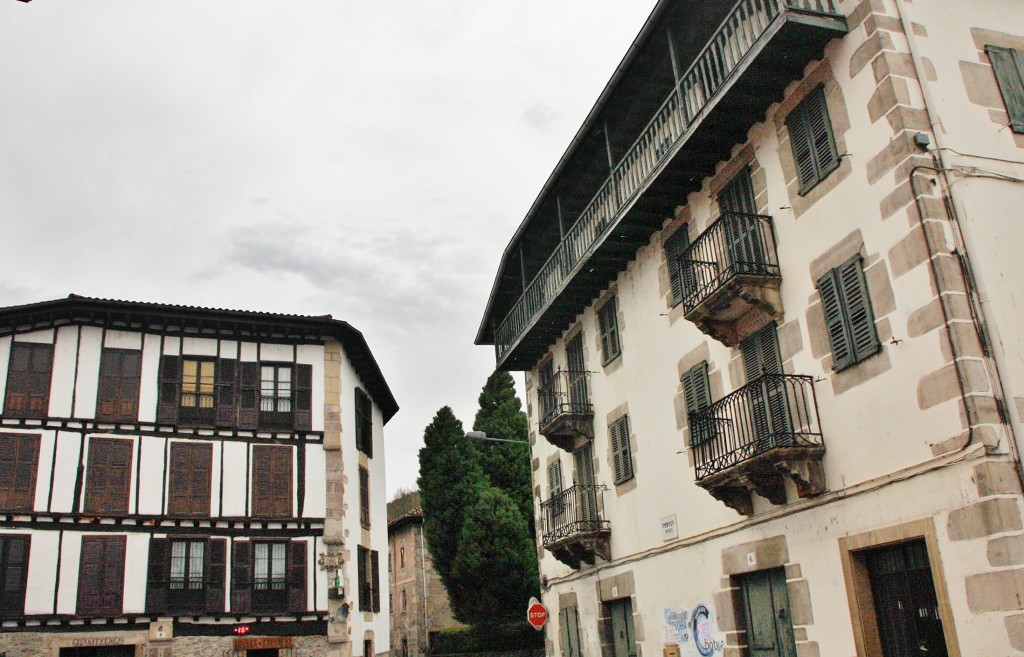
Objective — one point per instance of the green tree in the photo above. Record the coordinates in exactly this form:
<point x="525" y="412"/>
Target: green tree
<point x="450" y="481"/>
<point x="496" y="555"/>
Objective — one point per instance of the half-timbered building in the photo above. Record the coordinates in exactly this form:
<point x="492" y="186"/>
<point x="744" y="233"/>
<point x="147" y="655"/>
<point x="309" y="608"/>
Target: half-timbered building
<point x="175" y="480"/>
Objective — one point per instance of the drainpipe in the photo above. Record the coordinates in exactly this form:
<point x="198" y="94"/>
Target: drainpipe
<point x="426" y="616"/>
<point x="953" y="210"/>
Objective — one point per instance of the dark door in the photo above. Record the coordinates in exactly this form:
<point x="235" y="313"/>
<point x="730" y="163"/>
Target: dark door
<point x="587" y="496"/>
<point x="769" y="412"/>
<point x="569" y="632"/>
<point x="908" y="612"/>
<point x="578" y="395"/>
<point x="766" y="608"/>
<point x="100" y="651"/>
<point x="623" y="637"/>
<point x="743" y="241"/>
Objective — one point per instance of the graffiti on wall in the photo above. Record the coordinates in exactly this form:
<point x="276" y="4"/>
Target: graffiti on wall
<point x="694" y="630"/>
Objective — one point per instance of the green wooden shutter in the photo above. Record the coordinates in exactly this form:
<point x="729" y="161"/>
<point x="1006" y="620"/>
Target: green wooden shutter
<point x="835" y="322"/>
<point x="800" y="142"/>
<point x="857" y="305"/>
<point x="608" y="323"/>
<point x="697" y="392"/>
<point x="1008" y="65"/>
<point x="623" y="462"/>
<point x="675" y="245"/>
<point x="555" y="478"/>
<point x="810" y="136"/>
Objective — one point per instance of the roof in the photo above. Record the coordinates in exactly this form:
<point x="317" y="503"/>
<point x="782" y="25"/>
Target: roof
<point x="410" y="517"/>
<point x="208" y="322"/>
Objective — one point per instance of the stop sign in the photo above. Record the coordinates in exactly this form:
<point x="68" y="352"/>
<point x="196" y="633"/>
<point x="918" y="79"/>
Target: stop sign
<point x="537" y="615"/>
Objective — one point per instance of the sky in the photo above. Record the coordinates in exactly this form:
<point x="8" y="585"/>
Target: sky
<point x="366" y="160"/>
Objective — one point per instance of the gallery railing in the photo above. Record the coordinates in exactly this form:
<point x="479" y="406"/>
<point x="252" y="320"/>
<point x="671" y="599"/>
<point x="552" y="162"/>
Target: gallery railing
<point x="575" y="510"/>
<point x="567" y="393"/>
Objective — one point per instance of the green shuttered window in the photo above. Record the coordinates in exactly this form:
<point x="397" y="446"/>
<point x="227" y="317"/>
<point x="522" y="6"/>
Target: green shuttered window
<point x="810" y="135"/>
<point x="621" y="456"/>
<point x="1008" y="65"/>
<point x="849" y="321"/>
<point x="609" y="325"/>
<point x="697" y="392"/>
<point x="674" y="247"/>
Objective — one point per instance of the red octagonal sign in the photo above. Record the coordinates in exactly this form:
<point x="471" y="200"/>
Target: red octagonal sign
<point x="537" y="615"/>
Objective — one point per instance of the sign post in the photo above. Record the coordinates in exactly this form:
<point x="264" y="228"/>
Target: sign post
<point x="536" y="614"/>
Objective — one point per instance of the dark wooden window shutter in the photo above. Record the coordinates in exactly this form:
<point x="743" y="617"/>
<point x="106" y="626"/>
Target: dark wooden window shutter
<point x="190" y="477"/>
<point x="675" y="245"/>
<point x="117" y="398"/>
<point x="249" y="395"/>
<point x="609" y="325"/>
<point x="170" y="388"/>
<point x="364" y="497"/>
<point x="297" y="576"/>
<point x="621" y="455"/>
<point x="19" y="464"/>
<point x="241" y="576"/>
<point x="101" y="576"/>
<point x="375" y="575"/>
<point x="272" y="481"/>
<point x="1008" y="65"/>
<point x="108" y="476"/>
<point x="14" y="553"/>
<point x="28" y="380"/>
<point x="365" y="583"/>
<point x="364" y="423"/>
<point x="303" y="397"/>
<point x="215" y="574"/>
<point x="849" y="320"/>
<point x="158" y="575"/>
<point x="225" y="391"/>
<point x="697" y="392"/>
<point x="810" y="136"/>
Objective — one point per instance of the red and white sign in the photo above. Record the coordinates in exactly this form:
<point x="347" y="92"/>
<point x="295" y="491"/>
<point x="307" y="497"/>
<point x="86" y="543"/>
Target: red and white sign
<point x="536" y="615"/>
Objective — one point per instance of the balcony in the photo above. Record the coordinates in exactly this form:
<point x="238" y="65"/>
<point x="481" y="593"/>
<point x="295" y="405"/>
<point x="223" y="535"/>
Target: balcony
<point x="743" y="67"/>
<point x="752" y="440"/>
<point x="573" y="529"/>
<point x="730" y="277"/>
<point x="566" y="415"/>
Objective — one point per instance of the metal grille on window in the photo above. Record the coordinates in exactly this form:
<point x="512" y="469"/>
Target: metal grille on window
<point x="276" y="389"/>
<point x="197" y="384"/>
<point x="187" y="565"/>
<point x="270" y="566"/>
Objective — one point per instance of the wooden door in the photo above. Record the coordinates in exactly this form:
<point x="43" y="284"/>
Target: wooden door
<point x="767" y="614"/>
<point x="906" y="607"/>
<point x="569" y="632"/>
<point x="623" y="636"/>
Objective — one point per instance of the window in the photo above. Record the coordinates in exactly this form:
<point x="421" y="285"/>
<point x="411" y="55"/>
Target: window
<point x="276" y="395"/>
<point x="117" y="398"/>
<point x="675" y="245"/>
<point x="13" y="574"/>
<point x="272" y="481"/>
<point x="848" y="317"/>
<point x="609" y="325"/>
<point x="1008" y="65"/>
<point x="190" y="477"/>
<point x="621" y="455"/>
<point x="405" y="602"/>
<point x="28" y="380"/>
<point x="108" y="476"/>
<point x="269" y="582"/>
<point x="19" y="462"/>
<point x="186" y="575"/>
<point x="197" y="390"/>
<point x="101" y="576"/>
<point x="697" y="391"/>
<point x="369" y="580"/>
<point x="364" y="497"/>
<point x="555" y="488"/>
<point x="401" y="556"/>
<point x="364" y="423"/>
<point x="810" y="136"/>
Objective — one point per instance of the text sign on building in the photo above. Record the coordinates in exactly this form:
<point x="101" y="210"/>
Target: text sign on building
<point x="669" y="528"/>
<point x="262" y="642"/>
<point x="536" y="614"/>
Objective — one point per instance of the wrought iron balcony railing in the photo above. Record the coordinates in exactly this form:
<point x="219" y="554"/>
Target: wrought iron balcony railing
<point x="736" y="244"/>
<point x="574" y="511"/>
<point x="567" y="394"/>
<point x="708" y="77"/>
<point x="776" y="411"/>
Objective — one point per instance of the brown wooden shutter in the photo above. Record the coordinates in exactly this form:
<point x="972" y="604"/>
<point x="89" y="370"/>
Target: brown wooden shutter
<point x="364" y="423"/>
<point x="28" y="380"/>
<point x="158" y="575"/>
<point x="249" y="395"/>
<point x="101" y="576"/>
<point x="375" y="575"/>
<point x="19" y="462"/>
<point x="241" y="576"/>
<point x="215" y="574"/>
<point x="14" y="556"/>
<point x="117" y="397"/>
<point x="225" y="392"/>
<point x="190" y="477"/>
<point x="303" y="397"/>
<point x="108" y="477"/>
<point x="297" y="576"/>
<point x="170" y="389"/>
<point x="272" y="481"/>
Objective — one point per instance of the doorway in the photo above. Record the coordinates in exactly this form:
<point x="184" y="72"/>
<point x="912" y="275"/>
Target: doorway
<point x="623" y="637"/>
<point x="766" y="613"/>
<point x="99" y="651"/>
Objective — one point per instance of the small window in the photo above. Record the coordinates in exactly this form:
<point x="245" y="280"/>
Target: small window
<point x="272" y="481"/>
<point x="401" y="556"/>
<point x="849" y="320"/>
<point x="369" y="579"/>
<point x="810" y="136"/>
<point x="28" y="380"/>
<point x="621" y="454"/>
<point x="108" y="476"/>
<point x="675" y="245"/>
<point x="364" y="497"/>
<point x="186" y="577"/>
<point x="555" y="478"/>
<point x="275" y="395"/>
<point x="14" y="550"/>
<point x="270" y="582"/>
<point x="364" y="423"/>
<point x="117" y="398"/>
<point x="697" y="391"/>
<point x="1008" y="65"/>
<point x="607" y="319"/>
<point x="19" y="464"/>
<point x="405" y="602"/>
<point x="197" y="391"/>
<point x="190" y="476"/>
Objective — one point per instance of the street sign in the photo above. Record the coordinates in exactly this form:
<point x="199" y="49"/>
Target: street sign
<point x="536" y="614"/>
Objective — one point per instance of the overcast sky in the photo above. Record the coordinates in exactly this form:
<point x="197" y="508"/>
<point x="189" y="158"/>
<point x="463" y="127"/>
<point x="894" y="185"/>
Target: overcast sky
<point x="366" y="159"/>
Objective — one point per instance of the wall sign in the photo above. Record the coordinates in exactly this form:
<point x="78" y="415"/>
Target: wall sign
<point x="262" y="642"/>
<point x="669" y="528"/>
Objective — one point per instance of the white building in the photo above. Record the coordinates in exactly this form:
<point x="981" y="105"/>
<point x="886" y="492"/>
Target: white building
<point x="768" y="306"/>
<point x="174" y="480"/>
